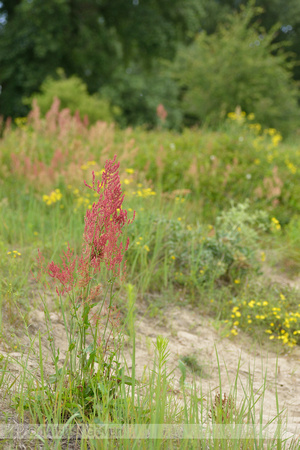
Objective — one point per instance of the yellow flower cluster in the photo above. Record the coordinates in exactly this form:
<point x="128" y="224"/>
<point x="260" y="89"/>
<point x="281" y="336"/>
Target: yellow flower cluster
<point x="14" y="253"/>
<point x="292" y="168"/>
<point x="279" y="322"/>
<point x="144" y="193"/>
<point x="270" y="131"/>
<point x="275" y="225"/>
<point x="255" y="126"/>
<point x="87" y="165"/>
<point x="128" y="181"/>
<point x="54" y="197"/>
<point x="241" y="117"/>
<point x="276" y="139"/>
<point x="21" y="122"/>
<point x="138" y="243"/>
<point x="179" y="276"/>
<point x="179" y="200"/>
<point x="238" y="116"/>
<point x="275" y="136"/>
<point x="82" y="201"/>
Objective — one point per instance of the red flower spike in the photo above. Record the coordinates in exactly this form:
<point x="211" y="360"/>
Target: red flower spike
<point x="103" y="228"/>
<point x="104" y="222"/>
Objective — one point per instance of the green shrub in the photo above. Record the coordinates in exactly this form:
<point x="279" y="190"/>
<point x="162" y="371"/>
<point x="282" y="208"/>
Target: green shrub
<point x="229" y="252"/>
<point x="196" y="255"/>
<point x="237" y="66"/>
<point x="73" y="94"/>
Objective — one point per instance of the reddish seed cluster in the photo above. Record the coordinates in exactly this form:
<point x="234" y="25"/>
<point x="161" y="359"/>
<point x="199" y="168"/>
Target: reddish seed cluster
<point x="161" y="112"/>
<point x="103" y="228"/>
<point x="64" y="274"/>
<point x="104" y="222"/>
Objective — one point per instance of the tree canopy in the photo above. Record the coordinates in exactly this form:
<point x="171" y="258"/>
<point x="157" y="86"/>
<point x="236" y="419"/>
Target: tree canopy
<point x="119" y="50"/>
<point x="89" y="38"/>
<point x="237" y="66"/>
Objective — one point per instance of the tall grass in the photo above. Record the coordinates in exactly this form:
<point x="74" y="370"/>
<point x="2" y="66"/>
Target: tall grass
<point x="147" y="415"/>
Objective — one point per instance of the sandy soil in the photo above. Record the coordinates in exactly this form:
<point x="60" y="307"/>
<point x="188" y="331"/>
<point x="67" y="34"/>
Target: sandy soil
<point x="188" y="334"/>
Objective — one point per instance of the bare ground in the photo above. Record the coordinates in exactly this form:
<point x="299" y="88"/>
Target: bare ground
<point x="188" y="334"/>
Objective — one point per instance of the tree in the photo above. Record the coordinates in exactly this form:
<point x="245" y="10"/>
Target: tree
<point x="282" y="12"/>
<point x="90" y="38"/>
<point x="236" y="66"/>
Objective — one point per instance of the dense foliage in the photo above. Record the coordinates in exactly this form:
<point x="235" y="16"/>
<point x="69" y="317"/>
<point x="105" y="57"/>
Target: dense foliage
<point x="237" y="66"/>
<point x="72" y="93"/>
<point x="124" y="52"/>
<point x="88" y="38"/>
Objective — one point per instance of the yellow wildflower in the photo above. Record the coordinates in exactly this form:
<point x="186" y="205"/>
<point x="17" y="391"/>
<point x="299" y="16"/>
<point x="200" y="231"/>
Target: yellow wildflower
<point x="276" y="223"/>
<point x="276" y="139"/>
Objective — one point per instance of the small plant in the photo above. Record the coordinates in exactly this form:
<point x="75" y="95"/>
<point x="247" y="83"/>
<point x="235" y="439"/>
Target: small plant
<point x="191" y="362"/>
<point x="223" y="410"/>
<point x="88" y="383"/>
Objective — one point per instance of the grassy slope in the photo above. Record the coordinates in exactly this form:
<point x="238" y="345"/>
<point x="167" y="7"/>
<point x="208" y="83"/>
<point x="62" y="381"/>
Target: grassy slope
<point x="186" y="238"/>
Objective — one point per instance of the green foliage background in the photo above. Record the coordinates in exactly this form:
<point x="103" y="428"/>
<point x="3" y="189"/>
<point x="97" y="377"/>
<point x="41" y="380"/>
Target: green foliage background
<point x="198" y="58"/>
<point x="237" y="65"/>
<point x="73" y="94"/>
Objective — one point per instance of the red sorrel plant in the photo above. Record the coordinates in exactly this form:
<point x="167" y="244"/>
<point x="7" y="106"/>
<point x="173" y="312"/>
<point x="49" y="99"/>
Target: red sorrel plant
<point x="90" y="328"/>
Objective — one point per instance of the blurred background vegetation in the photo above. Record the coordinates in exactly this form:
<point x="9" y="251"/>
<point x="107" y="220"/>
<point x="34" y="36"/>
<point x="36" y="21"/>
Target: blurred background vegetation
<point x="118" y="61"/>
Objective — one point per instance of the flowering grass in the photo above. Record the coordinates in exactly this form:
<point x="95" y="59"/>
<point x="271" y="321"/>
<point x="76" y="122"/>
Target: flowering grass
<point x="240" y="161"/>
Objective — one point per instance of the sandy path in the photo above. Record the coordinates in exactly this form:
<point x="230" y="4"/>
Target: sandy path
<point x="189" y="333"/>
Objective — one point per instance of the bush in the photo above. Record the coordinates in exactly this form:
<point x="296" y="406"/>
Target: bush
<point x="236" y="66"/>
<point x="73" y="94"/>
